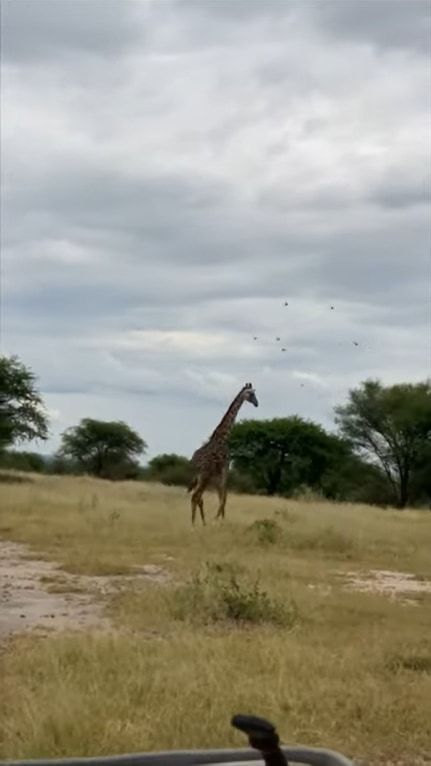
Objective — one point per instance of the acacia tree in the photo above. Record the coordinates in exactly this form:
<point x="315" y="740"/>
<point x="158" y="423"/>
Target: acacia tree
<point x="391" y="426"/>
<point x="22" y="416"/>
<point x="170" y="469"/>
<point x="283" y="453"/>
<point x="107" y="449"/>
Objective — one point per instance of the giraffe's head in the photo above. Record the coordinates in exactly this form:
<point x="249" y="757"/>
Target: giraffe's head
<point x="249" y="394"/>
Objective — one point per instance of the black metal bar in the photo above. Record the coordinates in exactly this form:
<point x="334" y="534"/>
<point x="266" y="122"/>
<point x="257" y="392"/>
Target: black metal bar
<point x="262" y="736"/>
<point x="296" y="755"/>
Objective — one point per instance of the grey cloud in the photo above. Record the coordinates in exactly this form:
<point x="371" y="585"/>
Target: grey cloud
<point x="150" y="210"/>
<point x="223" y="21"/>
<point x="243" y="202"/>
<point x="360" y="259"/>
<point x="109" y="373"/>
<point x="150" y="254"/>
<point x="44" y="30"/>
<point x="384" y="23"/>
<point x="402" y="24"/>
<point x="399" y="190"/>
<point x="198" y="24"/>
<point x="99" y="387"/>
<point x="395" y="189"/>
<point x="185" y="432"/>
<point x="97" y="192"/>
<point x="382" y="263"/>
<point x="239" y="11"/>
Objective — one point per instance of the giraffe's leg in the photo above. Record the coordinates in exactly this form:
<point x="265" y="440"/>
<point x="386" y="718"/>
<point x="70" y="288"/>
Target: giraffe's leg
<point x="222" y="493"/>
<point x="197" y="501"/>
<point x="194" y="504"/>
<point x="201" y="509"/>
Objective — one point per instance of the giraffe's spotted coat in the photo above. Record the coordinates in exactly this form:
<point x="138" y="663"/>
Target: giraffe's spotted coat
<point x="211" y="461"/>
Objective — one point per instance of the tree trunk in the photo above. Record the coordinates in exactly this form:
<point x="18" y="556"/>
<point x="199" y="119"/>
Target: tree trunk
<point x="273" y="478"/>
<point x="99" y="463"/>
<point x="403" y="489"/>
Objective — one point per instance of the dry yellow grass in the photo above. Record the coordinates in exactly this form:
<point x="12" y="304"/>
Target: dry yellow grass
<point x="352" y="671"/>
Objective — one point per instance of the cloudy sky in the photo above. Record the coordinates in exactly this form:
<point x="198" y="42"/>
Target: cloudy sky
<point x="175" y="171"/>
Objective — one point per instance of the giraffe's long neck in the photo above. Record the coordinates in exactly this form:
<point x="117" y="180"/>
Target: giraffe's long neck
<point x="223" y="429"/>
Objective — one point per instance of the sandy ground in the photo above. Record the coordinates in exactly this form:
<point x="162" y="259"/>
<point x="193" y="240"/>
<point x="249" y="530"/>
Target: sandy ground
<point x="37" y="594"/>
<point x="399" y="585"/>
<point x="26" y="602"/>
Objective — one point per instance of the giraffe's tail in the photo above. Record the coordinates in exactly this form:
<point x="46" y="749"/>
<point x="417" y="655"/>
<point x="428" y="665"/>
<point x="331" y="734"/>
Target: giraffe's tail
<point x="192" y="484"/>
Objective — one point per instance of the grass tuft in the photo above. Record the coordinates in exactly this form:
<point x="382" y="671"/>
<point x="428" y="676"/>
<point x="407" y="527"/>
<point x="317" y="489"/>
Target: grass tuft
<point x="418" y="663"/>
<point x="266" y="531"/>
<point x="218" y="594"/>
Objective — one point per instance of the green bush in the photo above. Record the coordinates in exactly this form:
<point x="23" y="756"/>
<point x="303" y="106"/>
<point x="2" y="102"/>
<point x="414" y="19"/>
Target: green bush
<point x="174" y="470"/>
<point x="22" y="461"/>
<point x="242" y="483"/>
<point x="62" y="466"/>
<point x="218" y="594"/>
<point x="419" y="663"/>
<point x="7" y="477"/>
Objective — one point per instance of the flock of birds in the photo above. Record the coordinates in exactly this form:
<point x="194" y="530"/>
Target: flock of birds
<point x="332" y="308"/>
<point x="284" y="349"/>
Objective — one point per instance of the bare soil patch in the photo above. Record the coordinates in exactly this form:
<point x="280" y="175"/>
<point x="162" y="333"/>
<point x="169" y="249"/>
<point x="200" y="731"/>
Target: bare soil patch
<point x="393" y="584"/>
<point x="37" y="594"/>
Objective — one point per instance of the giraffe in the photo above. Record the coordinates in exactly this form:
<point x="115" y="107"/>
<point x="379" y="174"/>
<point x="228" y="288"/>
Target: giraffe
<point x="211" y="461"/>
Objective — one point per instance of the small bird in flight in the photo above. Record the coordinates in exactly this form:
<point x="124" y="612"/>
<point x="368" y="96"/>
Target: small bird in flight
<point x="332" y="308"/>
<point x="277" y="339"/>
<point x="254" y="337"/>
<point x="283" y="349"/>
<point x="355" y="343"/>
<point x="286" y="303"/>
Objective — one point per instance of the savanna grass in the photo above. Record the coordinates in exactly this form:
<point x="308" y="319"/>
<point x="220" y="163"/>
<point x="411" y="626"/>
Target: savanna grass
<point x="254" y="617"/>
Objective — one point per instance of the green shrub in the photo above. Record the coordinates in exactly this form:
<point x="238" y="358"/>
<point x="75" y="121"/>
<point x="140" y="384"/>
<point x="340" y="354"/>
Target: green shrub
<point x="8" y="477"/>
<point x="22" y="461"/>
<point x="173" y="470"/>
<point x="62" y="466"/>
<point x="419" y="663"/>
<point x="242" y="483"/>
<point x="218" y="594"/>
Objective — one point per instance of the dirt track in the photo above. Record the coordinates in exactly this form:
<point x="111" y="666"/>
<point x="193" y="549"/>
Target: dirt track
<point x="39" y="594"/>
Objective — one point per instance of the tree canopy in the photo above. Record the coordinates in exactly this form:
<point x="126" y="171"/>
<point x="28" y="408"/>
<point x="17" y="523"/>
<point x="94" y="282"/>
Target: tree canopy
<point x="284" y="453"/>
<point x="170" y="469"/>
<point x="381" y="454"/>
<point x="22" y="416"/>
<point x="107" y="449"/>
<point x="392" y="426"/>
